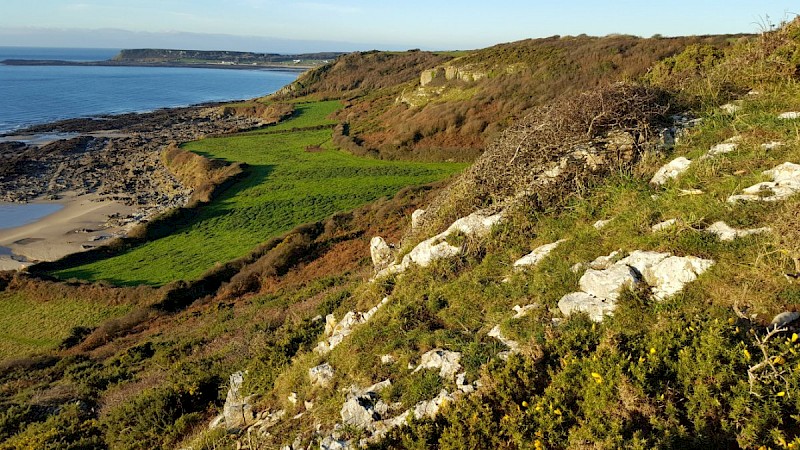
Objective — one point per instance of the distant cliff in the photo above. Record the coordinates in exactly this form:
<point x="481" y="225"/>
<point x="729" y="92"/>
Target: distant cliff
<point x="149" y="55"/>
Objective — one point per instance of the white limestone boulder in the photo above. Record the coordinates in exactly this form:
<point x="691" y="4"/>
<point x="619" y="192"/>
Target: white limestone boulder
<point x="381" y="253"/>
<point x="608" y="283"/>
<point x="537" y="255"/>
<point x="445" y="361"/>
<point x="581" y="302"/>
<point x="670" y="275"/>
<point x="786" y="182"/>
<point x="727" y="233"/>
<point x="671" y="171"/>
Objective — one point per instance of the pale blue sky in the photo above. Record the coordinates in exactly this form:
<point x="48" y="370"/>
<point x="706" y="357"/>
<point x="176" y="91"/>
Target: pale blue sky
<point x="352" y="24"/>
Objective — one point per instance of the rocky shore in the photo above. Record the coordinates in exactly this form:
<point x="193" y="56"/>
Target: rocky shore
<point x="111" y="164"/>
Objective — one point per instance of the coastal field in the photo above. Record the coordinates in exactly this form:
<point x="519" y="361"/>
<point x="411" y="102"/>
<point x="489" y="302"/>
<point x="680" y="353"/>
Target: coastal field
<point x="29" y="325"/>
<point x="295" y="176"/>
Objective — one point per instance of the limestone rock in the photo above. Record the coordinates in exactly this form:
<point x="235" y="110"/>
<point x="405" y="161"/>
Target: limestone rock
<point x="330" y="443"/>
<point x="522" y="311"/>
<point x="641" y="260"/>
<point x="785" y="318"/>
<point x="669" y="276"/>
<point x="600" y="224"/>
<point x="772" y="145"/>
<point x="337" y="331"/>
<point x="477" y="224"/>
<point x="791" y="115"/>
<point x="321" y="375"/>
<point x="382" y="254"/>
<point x="730" y="108"/>
<point x="670" y="171"/>
<point x="608" y="283"/>
<point x="721" y="149"/>
<point x="364" y="407"/>
<point x="727" y="233"/>
<point x="786" y="182"/>
<point x="416" y="218"/>
<point x="387" y="359"/>
<point x="602" y="262"/>
<point x="665" y="225"/>
<point x="496" y="333"/>
<point x="446" y="361"/>
<point x="238" y="411"/>
<point x="596" y="308"/>
<point x="430" y="408"/>
<point x="536" y="256"/>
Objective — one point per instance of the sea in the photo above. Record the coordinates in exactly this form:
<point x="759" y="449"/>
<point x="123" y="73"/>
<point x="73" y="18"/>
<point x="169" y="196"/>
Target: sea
<point x="32" y="95"/>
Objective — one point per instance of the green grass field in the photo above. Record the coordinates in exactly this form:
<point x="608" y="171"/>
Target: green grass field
<point x="286" y="186"/>
<point x="28" y="326"/>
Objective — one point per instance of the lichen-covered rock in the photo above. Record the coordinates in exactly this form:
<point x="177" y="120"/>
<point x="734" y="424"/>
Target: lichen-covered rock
<point x="382" y="255"/>
<point x="238" y="411"/>
<point x="445" y="361"/>
<point x="601" y="262"/>
<point x="321" y="375"/>
<point x="664" y="273"/>
<point x="670" y="171"/>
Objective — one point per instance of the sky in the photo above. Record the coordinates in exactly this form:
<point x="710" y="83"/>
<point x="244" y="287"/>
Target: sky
<point x="346" y="25"/>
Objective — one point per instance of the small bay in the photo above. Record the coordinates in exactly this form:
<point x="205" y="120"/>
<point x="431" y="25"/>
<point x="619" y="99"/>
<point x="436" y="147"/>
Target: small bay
<point x="14" y="215"/>
<point x="34" y="95"/>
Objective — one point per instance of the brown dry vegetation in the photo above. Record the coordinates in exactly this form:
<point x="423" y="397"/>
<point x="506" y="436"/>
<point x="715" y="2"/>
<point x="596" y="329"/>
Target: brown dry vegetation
<point x="518" y="77"/>
<point x="516" y="162"/>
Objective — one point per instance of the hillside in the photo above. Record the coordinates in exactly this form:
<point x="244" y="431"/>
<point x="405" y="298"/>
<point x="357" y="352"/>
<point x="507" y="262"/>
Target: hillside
<point x="449" y="106"/>
<point x="618" y="268"/>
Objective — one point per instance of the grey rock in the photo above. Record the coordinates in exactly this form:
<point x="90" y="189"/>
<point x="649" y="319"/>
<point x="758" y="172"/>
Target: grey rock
<point x="785" y="318"/>
<point x="321" y="375"/>
<point x="238" y="411"/>
<point x="445" y="361"/>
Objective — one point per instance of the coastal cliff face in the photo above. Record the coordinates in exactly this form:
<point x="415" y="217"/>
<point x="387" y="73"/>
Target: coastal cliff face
<point x="618" y="268"/>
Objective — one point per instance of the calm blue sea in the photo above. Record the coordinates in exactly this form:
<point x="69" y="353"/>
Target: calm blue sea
<point x="34" y="95"/>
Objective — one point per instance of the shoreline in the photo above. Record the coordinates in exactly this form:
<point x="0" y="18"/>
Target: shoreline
<point x="81" y="224"/>
<point x="58" y="62"/>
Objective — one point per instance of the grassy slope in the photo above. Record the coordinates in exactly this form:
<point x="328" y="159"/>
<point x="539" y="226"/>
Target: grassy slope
<point x="28" y="325"/>
<point x="286" y="186"/>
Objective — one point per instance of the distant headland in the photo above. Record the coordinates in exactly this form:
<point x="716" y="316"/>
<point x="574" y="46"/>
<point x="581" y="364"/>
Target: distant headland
<point x="195" y="58"/>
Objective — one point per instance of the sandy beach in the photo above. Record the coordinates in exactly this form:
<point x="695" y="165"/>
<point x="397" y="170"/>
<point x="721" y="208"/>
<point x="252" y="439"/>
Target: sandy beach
<point x="80" y="225"/>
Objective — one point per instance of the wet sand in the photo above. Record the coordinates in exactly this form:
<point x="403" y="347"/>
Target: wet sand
<point x="80" y="225"/>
